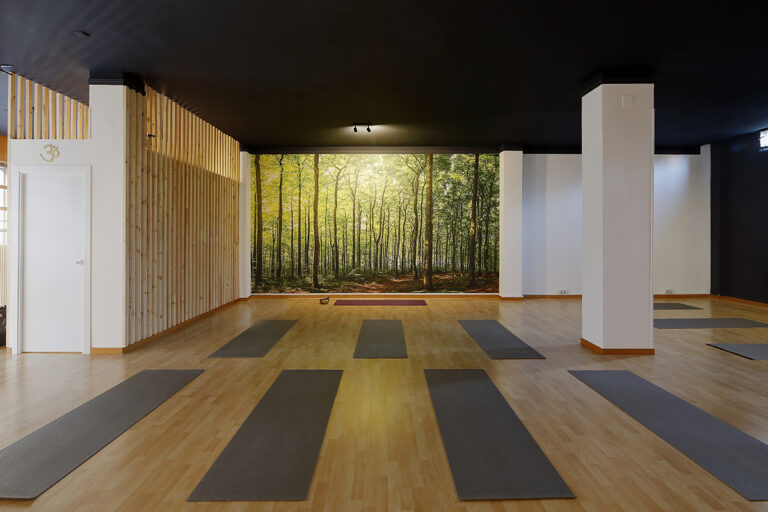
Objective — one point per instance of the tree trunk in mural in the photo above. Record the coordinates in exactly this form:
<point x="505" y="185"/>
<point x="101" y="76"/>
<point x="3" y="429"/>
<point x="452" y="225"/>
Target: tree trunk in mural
<point x="428" y="227"/>
<point x="259" y="226"/>
<point x="316" y="254"/>
<point x="279" y="247"/>
<point x="473" y="223"/>
<point x="353" y="194"/>
<point x="298" y="235"/>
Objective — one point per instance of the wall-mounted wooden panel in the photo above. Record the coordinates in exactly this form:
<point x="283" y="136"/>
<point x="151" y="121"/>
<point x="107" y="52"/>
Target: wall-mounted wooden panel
<point x="37" y="112"/>
<point x="182" y="223"/>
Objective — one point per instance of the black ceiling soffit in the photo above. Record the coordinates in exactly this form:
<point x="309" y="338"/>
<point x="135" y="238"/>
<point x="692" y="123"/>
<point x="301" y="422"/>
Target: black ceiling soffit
<point x="480" y="74"/>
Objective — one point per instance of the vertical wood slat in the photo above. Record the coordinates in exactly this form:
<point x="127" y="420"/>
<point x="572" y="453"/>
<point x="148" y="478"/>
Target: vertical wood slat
<point x="183" y="210"/>
<point x="38" y="112"/>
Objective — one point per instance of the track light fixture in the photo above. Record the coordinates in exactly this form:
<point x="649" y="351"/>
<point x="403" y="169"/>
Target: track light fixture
<point x="366" y="124"/>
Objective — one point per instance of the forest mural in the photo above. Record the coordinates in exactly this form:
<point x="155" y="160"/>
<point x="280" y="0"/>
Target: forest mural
<point x="386" y="223"/>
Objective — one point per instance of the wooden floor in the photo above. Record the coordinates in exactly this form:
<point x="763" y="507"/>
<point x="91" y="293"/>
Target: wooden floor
<point x="382" y="449"/>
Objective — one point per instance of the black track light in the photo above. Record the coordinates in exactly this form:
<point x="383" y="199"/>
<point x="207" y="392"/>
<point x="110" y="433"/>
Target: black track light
<point x="354" y="129"/>
<point x="368" y="129"/>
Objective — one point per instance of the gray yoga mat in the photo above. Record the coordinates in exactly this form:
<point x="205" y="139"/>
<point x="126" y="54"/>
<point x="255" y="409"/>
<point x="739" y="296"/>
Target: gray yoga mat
<point x="497" y="341"/>
<point x="671" y="305"/>
<point x="491" y="454"/>
<point x="705" y="323"/>
<point x="381" y="339"/>
<point x="736" y="458"/>
<point x="754" y="351"/>
<point x="273" y="454"/>
<point x="257" y="340"/>
<point x="31" y="465"/>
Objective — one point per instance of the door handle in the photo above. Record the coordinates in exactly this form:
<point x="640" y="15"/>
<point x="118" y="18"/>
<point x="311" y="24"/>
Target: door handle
<point x="80" y="262"/>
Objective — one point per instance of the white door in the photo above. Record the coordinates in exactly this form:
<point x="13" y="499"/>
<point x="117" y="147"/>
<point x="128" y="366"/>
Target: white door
<point x="53" y="256"/>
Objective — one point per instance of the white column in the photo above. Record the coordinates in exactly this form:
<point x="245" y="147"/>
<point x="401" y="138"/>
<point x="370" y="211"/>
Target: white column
<point x="511" y="224"/>
<point x="244" y="256"/>
<point x="617" y="241"/>
<point x="108" y="215"/>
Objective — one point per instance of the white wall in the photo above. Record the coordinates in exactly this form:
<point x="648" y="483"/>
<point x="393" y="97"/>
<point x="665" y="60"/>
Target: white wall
<point x="681" y="223"/>
<point x="552" y="223"/>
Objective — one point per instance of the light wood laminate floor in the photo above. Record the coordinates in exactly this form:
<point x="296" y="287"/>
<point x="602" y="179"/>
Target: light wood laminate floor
<point x="382" y="450"/>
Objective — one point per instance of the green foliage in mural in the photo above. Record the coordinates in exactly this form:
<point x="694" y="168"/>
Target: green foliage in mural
<point x="373" y="219"/>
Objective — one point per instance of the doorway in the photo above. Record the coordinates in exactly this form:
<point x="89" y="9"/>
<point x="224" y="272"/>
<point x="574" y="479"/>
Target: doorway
<point x="54" y="257"/>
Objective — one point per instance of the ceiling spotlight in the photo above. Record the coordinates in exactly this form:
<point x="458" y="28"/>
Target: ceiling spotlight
<point x="368" y="129"/>
<point x="82" y="33"/>
<point x="354" y="129"/>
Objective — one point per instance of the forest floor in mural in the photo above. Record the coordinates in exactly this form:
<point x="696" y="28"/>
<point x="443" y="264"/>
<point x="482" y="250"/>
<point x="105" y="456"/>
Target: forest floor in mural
<point x="375" y="223"/>
<point x="386" y="283"/>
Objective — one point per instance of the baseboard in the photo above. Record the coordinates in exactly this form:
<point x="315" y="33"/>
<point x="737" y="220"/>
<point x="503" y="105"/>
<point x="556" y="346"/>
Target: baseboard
<point x="141" y="343"/>
<point x="742" y="301"/>
<point x="555" y="296"/>
<point x="106" y="350"/>
<point x="683" y="295"/>
<point x="510" y="298"/>
<point x="617" y="351"/>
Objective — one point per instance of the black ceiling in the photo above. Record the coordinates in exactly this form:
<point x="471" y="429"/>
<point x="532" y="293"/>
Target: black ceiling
<point x="285" y="73"/>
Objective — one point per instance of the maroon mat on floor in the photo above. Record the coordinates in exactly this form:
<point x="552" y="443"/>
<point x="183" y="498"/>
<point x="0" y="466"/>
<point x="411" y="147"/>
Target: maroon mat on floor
<point x="380" y="302"/>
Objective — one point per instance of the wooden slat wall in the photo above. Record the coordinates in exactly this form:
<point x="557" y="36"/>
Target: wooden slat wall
<point x="37" y="112"/>
<point x="182" y="225"/>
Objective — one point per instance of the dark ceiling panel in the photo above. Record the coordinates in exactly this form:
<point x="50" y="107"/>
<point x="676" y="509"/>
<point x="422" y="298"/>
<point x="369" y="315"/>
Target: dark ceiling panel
<point x="449" y="73"/>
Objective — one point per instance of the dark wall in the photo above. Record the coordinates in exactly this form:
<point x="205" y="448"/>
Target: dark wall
<point x="740" y="218"/>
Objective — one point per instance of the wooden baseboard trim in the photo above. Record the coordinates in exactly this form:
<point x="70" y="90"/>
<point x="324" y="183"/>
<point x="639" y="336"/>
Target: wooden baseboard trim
<point x="557" y="296"/>
<point x="617" y="351"/>
<point x="511" y="298"/>
<point x="683" y="296"/>
<point x="106" y="350"/>
<point x="743" y="301"/>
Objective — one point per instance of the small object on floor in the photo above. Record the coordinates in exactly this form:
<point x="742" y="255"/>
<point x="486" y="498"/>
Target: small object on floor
<point x="325" y="300"/>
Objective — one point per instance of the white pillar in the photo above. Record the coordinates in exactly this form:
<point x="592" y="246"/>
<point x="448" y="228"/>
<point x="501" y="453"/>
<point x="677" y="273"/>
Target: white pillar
<point x="244" y="256"/>
<point x="617" y="183"/>
<point x="511" y="224"/>
<point x="108" y="213"/>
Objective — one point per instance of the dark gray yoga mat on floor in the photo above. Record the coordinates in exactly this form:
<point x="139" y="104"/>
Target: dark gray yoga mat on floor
<point x="381" y="339"/>
<point x="754" y="351"/>
<point x="491" y="454"/>
<point x="31" y="465"/>
<point x="257" y="340"/>
<point x="273" y="454"/>
<point x="736" y="458"/>
<point x="671" y="305"/>
<point x="497" y="341"/>
<point x="705" y="323"/>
